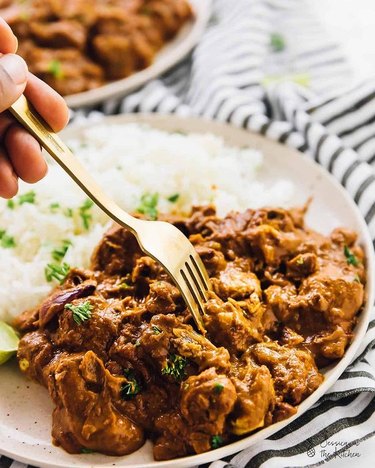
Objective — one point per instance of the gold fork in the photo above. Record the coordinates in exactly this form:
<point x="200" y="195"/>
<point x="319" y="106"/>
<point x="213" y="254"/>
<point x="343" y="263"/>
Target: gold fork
<point x="160" y="240"/>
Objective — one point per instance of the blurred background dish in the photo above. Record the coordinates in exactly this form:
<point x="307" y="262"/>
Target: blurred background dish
<point x="90" y="51"/>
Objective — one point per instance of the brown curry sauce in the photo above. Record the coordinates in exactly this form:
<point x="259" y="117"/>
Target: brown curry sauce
<point x="284" y="302"/>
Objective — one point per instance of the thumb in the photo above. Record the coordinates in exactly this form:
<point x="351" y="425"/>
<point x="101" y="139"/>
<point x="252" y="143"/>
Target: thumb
<point x="13" y="77"/>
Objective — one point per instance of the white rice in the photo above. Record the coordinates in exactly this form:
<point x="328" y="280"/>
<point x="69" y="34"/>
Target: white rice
<point x="128" y="161"/>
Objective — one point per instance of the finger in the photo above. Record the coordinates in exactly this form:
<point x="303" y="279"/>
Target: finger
<point x="25" y="154"/>
<point x="8" y="178"/>
<point x="6" y="121"/>
<point x="50" y="105"/>
<point x="8" y="41"/>
<point x="13" y="76"/>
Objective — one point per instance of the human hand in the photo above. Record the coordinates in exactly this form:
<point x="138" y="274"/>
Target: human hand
<point x="20" y="153"/>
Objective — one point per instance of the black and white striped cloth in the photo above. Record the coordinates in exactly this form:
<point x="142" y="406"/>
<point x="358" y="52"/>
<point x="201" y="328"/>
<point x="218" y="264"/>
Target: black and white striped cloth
<point x="299" y="96"/>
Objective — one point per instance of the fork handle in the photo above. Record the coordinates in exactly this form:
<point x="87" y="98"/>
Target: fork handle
<point x="29" y="118"/>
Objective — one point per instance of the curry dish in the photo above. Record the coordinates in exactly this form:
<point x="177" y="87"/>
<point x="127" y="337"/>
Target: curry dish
<point x="78" y="45"/>
<point x="116" y="347"/>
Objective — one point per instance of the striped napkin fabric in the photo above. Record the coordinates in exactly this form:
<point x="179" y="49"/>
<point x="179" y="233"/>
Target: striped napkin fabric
<point x="269" y="66"/>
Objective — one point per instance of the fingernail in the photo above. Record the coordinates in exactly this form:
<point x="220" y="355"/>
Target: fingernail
<point x="15" y="67"/>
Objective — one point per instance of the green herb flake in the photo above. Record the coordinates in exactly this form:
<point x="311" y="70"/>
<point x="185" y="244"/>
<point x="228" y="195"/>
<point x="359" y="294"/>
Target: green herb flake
<point x="351" y="259"/>
<point x="68" y="212"/>
<point x="137" y="342"/>
<point x="277" y="42"/>
<point x="131" y="388"/>
<point x="11" y="204"/>
<point x="84" y="212"/>
<point x="6" y="242"/>
<point x="216" y="441"/>
<point x="59" y="253"/>
<point x="300" y="261"/>
<point x="156" y="330"/>
<point x="54" y="207"/>
<point x="57" y="272"/>
<point x="81" y="312"/>
<point x="55" y="69"/>
<point x="87" y="205"/>
<point x="174" y="198"/>
<point x="87" y="450"/>
<point x="218" y="388"/>
<point x="175" y="367"/>
<point x="28" y="197"/>
<point x="125" y="286"/>
<point x="148" y="205"/>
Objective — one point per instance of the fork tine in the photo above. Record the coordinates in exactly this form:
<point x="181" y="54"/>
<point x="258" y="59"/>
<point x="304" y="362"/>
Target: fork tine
<point x="192" y="288"/>
<point x="200" y="270"/>
<point x="192" y="302"/>
<point x="196" y="280"/>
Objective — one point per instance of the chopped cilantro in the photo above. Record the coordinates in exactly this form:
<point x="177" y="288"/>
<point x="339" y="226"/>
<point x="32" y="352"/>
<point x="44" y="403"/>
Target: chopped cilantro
<point x="54" y="207"/>
<point x="175" y="367"/>
<point x="277" y="42"/>
<point x="54" y="68"/>
<point x="7" y="242"/>
<point x="81" y="312"/>
<point x="87" y="204"/>
<point x="131" y="387"/>
<point x="174" y="198"/>
<point x="68" y="212"/>
<point x="156" y="330"/>
<point x="59" y="253"/>
<point x="57" y="272"/>
<point x="124" y="286"/>
<point x="148" y="205"/>
<point x="218" y="388"/>
<point x="28" y="197"/>
<point x="87" y="450"/>
<point x="84" y="213"/>
<point x="351" y="259"/>
<point x="216" y="441"/>
<point x="10" y="204"/>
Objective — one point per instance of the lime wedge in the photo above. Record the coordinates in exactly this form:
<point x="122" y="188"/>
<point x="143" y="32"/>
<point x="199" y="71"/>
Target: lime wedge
<point x="8" y="342"/>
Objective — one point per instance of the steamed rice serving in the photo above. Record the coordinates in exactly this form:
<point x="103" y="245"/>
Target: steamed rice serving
<point x="53" y="222"/>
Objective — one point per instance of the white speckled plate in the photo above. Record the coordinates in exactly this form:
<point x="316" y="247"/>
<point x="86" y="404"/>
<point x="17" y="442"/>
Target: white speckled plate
<point x="169" y="55"/>
<point x="25" y="408"/>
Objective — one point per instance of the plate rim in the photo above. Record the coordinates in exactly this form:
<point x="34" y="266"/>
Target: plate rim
<point x="208" y="126"/>
<point x="120" y="88"/>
